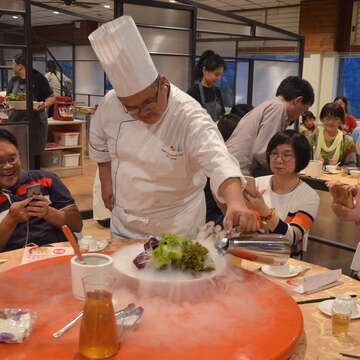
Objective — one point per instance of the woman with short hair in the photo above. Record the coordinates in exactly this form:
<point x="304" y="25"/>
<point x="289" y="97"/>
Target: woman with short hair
<point x="287" y="204"/>
<point x="330" y="144"/>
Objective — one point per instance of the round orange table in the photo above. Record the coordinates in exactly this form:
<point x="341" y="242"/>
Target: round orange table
<point x="252" y="318"/>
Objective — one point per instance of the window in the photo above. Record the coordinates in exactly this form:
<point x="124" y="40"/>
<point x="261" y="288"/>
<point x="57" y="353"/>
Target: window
<point x="349" y="86"/>
<point x="226" y="84"/>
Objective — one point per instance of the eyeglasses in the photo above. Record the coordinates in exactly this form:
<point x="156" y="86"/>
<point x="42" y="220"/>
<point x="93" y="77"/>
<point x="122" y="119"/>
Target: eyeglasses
<point x="284" y="157"/>
<point x="11" y="161"/>
<point x="147" y="105"/>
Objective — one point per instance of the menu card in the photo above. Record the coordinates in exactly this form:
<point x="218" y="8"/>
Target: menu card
<point x="317" y="282"/>
<point x="34" y="253"/>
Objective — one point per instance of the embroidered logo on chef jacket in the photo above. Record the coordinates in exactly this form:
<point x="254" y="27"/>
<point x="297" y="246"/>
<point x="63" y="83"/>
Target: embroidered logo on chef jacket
<point x="173" y="152"/>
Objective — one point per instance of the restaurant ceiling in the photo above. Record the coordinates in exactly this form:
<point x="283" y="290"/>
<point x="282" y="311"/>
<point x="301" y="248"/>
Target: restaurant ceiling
<point x="103" y="9"/>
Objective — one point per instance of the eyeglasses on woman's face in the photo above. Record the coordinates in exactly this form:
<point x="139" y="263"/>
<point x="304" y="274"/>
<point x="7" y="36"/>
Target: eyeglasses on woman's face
<point x="285" y="156"/>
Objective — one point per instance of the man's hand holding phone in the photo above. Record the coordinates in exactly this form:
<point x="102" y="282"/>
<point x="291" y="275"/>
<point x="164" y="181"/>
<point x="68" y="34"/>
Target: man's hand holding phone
<point x="38" y="205"/>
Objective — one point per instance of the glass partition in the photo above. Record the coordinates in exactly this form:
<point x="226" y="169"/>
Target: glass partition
<point x="267" y="77"/>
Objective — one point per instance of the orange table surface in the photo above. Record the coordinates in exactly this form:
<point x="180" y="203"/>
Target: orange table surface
<point x="267" y="325"/>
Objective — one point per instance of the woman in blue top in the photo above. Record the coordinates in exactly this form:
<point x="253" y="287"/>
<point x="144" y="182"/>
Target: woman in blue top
<point x="208" y="71"/>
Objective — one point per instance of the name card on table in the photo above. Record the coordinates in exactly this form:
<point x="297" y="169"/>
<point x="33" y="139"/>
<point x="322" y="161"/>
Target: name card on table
<point x="34" y="253"/>
<point x="317" y="282"/>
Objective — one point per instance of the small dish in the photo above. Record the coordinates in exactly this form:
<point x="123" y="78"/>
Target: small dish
<point x="331" y="172"/>
<point x="293" y="271"/>
<point x="92" y="245"/>
<point x="326" y="308"/>
<point x="332" y="169"/>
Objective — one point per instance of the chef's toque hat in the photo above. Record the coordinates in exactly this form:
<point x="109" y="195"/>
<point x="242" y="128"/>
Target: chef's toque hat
<point x="124" y="56"/>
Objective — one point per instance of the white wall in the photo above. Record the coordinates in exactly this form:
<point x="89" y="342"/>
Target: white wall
<point x="321" y="70"/>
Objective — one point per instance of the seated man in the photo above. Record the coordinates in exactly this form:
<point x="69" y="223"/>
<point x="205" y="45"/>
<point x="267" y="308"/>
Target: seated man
<point x="37" y="219"/>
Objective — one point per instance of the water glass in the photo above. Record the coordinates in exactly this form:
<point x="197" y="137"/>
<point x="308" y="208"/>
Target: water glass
<point x="341" y="314"/>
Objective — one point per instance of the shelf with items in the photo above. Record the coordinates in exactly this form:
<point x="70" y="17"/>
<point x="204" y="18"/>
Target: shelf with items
<point x="67" y="158"/>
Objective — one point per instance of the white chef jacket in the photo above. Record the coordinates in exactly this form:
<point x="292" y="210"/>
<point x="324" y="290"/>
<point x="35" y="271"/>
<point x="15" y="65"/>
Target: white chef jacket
<point x="159" y="171"/>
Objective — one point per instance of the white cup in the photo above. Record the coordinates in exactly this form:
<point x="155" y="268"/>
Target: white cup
<point x="331" y="168"/>
<point x="314" y="168"/>
<point x="280" y="269"/>
<point x="92" y="264"/>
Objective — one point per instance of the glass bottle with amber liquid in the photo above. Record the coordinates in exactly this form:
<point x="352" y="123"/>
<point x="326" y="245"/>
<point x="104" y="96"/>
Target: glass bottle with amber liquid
<point x="98" y="332"/>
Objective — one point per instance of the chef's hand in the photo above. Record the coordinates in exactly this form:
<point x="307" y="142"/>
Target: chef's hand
<point x="18" y="211"/>
<point x="238" y="214"/>
<point x="40" y="106"/>
<point x="38" y="207"/>
<point x="107" y="194"/>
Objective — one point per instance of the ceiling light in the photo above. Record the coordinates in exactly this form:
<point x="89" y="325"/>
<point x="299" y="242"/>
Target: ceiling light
<point x="15" y="17"/>
<point x="172" y="1"/>
<point x="107" y="6"/>
<point x="56" y="12"/>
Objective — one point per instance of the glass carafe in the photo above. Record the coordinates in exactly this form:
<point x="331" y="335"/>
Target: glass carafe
<point x="98" y="332"/>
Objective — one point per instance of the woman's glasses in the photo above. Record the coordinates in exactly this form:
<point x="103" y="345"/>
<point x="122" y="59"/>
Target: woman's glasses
<point x="285" y="157"/>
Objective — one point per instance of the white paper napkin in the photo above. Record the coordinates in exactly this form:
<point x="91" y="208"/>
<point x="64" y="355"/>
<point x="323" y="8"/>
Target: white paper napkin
<point x="317" y="282"/>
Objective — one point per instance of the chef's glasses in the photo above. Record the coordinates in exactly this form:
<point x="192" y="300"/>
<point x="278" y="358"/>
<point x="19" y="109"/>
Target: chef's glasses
<point x="147" y="105"/>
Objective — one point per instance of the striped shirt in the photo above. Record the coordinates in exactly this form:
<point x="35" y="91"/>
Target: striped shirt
<point x="296" y="209"/>
<point x="40" y="232"/>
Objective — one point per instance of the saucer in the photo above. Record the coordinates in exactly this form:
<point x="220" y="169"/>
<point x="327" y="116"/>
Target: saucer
<point x="332" y="172"/>
<point x="293" y="271"/>
<point x="326" y="308"/>
<point x="100" y="245"/>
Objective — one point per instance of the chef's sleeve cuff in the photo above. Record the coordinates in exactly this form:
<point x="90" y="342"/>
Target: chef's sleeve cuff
<point x="99" y="153"/>
<point x="217" y="180"/>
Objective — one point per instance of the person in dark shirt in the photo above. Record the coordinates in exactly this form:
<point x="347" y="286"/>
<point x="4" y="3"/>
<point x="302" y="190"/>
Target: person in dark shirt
<point x="226" y="126"/>
<point x="37" y="219"/>
<point x="208" y="71"/>
<point x="43" y="94"/>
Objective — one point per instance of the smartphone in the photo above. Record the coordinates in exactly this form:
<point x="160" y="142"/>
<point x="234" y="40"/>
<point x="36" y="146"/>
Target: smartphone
<point x="342" y="196"/>
<point x="250" y="186"/>
<point x="33" y="190"/>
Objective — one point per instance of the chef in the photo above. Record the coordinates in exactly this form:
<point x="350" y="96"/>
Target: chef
<point x="155" y="145"/>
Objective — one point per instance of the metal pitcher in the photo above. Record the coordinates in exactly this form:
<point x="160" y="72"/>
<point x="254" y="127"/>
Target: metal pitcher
<point x="272" y="249"/>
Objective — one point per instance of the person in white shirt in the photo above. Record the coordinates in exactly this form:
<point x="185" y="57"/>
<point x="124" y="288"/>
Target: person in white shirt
<point x="249" y="140"/>
<point x="155" y="145"/>
<point x="53" y="76"/>
<point x="287" y="204"/>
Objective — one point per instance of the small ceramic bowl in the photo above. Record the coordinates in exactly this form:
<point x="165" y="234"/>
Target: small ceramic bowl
<point x="331" y="168"/>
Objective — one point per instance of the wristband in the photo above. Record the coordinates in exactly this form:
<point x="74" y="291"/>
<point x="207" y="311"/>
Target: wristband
<point x="270" y="216"/>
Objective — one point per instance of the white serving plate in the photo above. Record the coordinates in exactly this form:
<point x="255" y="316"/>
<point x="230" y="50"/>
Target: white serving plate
<point x="172" y="284"/>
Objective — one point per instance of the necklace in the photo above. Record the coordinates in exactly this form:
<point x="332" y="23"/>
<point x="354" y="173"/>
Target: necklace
<point x="292" y="189"/>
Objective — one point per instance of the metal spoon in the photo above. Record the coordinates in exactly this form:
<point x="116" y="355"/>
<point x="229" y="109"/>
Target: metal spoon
<point x="123" y="312"/>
